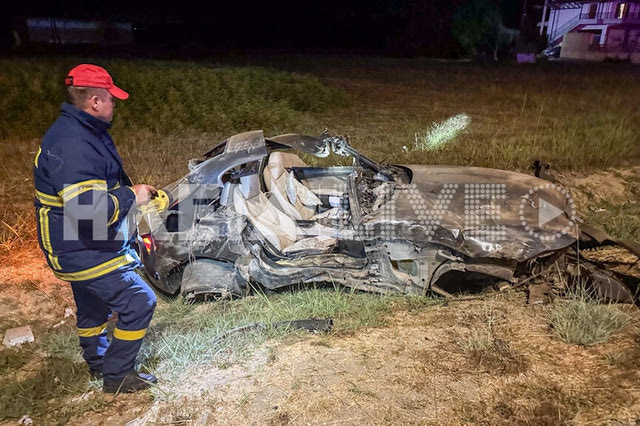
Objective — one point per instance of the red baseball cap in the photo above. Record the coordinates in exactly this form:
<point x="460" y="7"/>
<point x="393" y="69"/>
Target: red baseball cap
<point x="88" y="75"/>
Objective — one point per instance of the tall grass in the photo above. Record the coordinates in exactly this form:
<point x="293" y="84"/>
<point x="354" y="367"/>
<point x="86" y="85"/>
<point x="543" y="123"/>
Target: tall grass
<point x="619" y="220"/>
<point x="442" y="133"/>
<point x="176" y="111"/>
<point x="573" y="116"/>
<point x="166" y="97"/>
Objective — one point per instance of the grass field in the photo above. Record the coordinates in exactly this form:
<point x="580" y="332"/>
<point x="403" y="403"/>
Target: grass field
<point x="574" y="116"/>
<point x="582" y="119"/>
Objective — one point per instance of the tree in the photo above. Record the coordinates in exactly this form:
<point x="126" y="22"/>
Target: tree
<point x="477" y="26"/>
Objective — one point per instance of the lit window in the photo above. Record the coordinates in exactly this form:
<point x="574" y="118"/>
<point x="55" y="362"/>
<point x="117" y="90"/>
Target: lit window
<point x="622" y="10"/>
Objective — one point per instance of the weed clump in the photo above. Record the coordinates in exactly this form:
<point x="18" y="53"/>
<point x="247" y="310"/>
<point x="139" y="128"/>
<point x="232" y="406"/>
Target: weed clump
<point x="581" y="321"/>
<point x="441" y="133"/>
<point x="476" y="342"/>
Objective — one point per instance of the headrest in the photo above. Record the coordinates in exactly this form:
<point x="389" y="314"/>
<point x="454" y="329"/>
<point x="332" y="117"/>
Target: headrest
<point x="278" y="161"/>
<point x="275" y="165"/>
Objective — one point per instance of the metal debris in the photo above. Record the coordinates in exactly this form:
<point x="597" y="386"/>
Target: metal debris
<point x="312" y="325"/>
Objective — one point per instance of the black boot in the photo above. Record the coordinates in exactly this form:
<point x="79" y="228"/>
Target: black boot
<point x="132" y="382"/>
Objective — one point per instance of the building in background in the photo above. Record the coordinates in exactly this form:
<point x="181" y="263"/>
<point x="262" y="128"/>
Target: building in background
<point x="593" y="30"/>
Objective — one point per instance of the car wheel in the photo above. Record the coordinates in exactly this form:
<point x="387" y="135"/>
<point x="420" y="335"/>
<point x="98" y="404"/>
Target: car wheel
<point x="205" y="279"/>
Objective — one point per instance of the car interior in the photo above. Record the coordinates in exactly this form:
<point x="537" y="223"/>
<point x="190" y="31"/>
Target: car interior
<point x="296" y="209"/>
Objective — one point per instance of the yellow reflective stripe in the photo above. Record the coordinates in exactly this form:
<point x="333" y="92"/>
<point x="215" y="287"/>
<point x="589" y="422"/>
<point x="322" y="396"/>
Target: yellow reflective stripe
<point x="78" y="188"/>
<point x="116" y="210"/>
<point x="83" y="190"/>
<point x="70" y="188"/>
<point x="49" y="200"/>
<point x="93" y="331"/>
<point x="129" y="334"/>
<point x="44" y="228"/>
<point x="43" y="221"/>
<point x="55" y="263"/>
<point x="35" y="161"/>
<point x="96" y="271"/>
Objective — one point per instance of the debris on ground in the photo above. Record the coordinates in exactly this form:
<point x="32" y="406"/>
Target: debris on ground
<point x="312" y="325"/>
<point x="68" y="313"/>
<point x="17" y="336"/>
<point x="25" y="420"/>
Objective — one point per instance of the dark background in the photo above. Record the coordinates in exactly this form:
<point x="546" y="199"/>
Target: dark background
<point x="395" y="27"/>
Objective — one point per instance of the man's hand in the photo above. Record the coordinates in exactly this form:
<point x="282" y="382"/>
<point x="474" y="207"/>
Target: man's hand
<point x="144" y="193"/>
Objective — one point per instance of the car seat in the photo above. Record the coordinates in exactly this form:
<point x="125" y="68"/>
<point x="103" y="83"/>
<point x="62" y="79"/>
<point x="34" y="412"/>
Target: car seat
<point x="278" y="228"/>
<point x="287" y="193"/>
<point x="272" y="223"/>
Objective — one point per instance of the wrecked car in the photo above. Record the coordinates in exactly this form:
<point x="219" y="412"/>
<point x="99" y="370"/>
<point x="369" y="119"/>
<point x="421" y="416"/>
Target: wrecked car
<point x="250" y="213"/>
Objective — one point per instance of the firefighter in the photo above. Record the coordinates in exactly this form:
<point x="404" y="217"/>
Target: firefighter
<point x="84" y="205"/>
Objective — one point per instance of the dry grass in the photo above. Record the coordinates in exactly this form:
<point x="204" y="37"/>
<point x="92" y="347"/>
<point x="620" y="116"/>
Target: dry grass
<point x="391" y="360"/>
<point x="488" y="362"/>
<point x="415" y="371"/>
<point x="39" y="379"/>
<point x="574" y="117"/>
<point x="518" y="113"/>
<point x="180" y="110"/>
<point x="610" y="199"/>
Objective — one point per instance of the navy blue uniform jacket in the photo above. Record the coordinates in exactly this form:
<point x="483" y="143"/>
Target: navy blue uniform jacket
<point x="80" y="184"/>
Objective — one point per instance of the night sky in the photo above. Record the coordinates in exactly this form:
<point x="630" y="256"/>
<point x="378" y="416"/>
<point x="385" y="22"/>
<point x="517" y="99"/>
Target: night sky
<point x="399" y="26"/>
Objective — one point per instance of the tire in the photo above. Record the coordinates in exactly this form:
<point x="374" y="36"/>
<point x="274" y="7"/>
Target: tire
<point x="205" y="279"/>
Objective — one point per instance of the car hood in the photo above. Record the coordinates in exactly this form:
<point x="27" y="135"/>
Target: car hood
<point x="478" y="212"/>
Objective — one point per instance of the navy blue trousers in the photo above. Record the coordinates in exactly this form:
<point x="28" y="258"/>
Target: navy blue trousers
<point x="126" y="293"/>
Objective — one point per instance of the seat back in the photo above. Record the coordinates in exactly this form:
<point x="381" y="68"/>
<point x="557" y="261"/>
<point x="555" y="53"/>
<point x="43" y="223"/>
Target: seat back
<point x="278" y="228"/>
<point x="287" y="193"/>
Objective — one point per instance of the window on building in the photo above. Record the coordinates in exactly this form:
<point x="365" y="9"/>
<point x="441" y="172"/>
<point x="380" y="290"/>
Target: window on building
<point x="622" y="10"/>
<point x="593" y="8"/>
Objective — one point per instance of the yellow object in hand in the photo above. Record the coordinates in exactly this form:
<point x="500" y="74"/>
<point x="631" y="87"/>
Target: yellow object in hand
<point x="159" y="203"/>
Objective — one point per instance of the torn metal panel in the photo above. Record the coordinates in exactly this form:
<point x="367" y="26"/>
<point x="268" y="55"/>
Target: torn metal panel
<point x="239" y="149"/>
<point x="507" y="238"/>
<point x="598" y="283"/>
<point x="307" y="144"/>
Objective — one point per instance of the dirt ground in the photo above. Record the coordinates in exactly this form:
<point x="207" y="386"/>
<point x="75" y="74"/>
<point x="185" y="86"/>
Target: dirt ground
<point x="493" y="360"/>
<point x="417" y="371"/>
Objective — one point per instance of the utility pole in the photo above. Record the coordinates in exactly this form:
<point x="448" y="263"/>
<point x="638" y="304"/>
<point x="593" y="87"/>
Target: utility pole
<point x="523" y="18"/>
